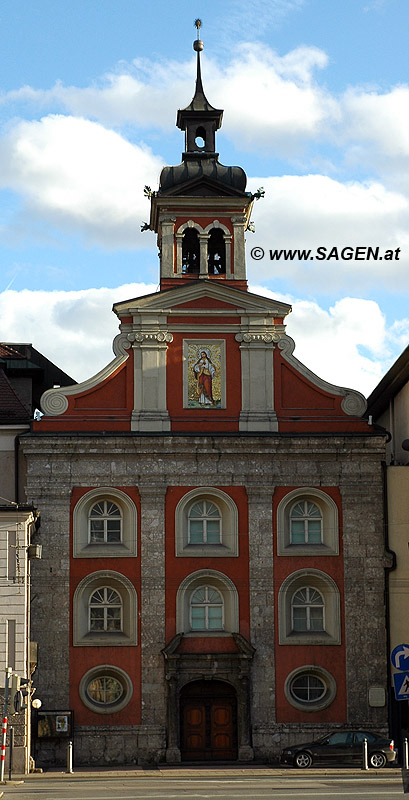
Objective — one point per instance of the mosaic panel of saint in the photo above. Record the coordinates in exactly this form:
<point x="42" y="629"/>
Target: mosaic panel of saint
<point x="204" y="376"/>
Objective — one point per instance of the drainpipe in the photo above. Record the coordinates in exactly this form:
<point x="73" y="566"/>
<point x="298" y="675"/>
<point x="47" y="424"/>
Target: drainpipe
<point x="388" y="570"/>
<point x="16" y="469"/>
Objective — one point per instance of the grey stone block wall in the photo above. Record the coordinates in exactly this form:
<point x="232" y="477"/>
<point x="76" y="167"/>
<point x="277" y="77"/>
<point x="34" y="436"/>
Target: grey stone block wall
<point x="55" y="464"/>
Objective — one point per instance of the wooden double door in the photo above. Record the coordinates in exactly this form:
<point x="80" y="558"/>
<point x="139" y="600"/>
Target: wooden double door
<point x="208" y="722"/>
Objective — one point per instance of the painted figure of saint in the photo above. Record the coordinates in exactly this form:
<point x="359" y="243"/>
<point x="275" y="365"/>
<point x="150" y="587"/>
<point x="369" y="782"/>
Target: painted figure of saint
<point x="204" y="371"/>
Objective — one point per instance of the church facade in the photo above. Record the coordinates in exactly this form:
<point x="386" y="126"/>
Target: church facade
<point x="212" y="580"/>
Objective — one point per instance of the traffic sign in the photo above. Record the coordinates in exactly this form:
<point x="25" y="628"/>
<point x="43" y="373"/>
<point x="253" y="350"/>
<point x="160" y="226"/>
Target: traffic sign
<point x="401" y="682"/>
<point x="400" y="657"/>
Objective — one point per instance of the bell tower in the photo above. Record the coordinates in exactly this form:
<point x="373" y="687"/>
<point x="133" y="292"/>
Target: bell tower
<point x="201" y="210"/>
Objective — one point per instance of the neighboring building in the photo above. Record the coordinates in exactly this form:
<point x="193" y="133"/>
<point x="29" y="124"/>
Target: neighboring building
<point x="389" y="406"/>
<point x="212" y="581"/>
<point x="24" y="376"/>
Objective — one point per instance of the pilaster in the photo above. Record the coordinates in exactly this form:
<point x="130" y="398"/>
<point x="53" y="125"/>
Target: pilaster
<point x="239" y="255"/>
<point x="152" y="604"/>
<point x="257" y="376"/>
<point x="150" y="412"/>
<point x="261" y="608"/>
<point x="167" y="246"/>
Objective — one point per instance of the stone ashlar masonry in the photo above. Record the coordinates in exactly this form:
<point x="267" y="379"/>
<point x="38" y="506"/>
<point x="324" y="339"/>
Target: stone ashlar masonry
<point x="56" y="463"/>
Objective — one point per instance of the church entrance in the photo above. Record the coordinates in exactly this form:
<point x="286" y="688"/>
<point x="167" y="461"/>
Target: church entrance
<point x="208" y="721"/>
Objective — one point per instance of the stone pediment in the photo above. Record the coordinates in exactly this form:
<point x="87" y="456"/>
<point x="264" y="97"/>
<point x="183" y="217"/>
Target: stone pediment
<point x="230" y="298"/>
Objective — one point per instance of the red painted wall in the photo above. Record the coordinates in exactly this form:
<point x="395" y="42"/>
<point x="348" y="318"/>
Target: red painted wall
<point x="330" y="657"/>
<point x="178" y="568"/>
<point x="83" y="658"/>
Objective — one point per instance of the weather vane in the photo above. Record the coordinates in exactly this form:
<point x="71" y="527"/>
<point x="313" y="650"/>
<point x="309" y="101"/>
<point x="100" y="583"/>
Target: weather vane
<point x="198" y="44"/>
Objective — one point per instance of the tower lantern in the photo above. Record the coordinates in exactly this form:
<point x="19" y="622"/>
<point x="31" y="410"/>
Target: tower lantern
<point x="201" y="210"/>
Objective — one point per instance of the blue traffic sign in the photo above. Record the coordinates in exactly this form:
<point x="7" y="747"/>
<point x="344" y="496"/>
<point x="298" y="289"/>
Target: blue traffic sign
<point x="400" y="657"/>
<point x="401" y="682"/>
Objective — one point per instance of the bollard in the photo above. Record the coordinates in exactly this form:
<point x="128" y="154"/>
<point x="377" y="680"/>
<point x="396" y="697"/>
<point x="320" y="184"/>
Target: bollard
<point x="365" y="754"/>
<point x="405" y="758"/>
<point x="69" y="757"/>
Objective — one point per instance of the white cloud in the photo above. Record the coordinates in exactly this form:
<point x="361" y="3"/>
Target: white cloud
<point x="348" y="345"/>
<point x="77" y="175"/>
<point x="310" y="211"/>
<point x="270" y="101"/>
<point x="75" y="330"/>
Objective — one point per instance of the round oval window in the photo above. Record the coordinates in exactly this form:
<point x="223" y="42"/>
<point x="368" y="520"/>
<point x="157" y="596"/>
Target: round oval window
<point x="307" y="688"/>
<point x="105" y="690"/>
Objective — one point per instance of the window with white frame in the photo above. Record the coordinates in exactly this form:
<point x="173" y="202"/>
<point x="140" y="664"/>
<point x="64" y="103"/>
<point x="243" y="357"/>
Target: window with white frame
<point x="104" y="524"/>
<point x="310" y="688"/>
<point x="307" y="523"/>
<point x="105" y="689"/>
<point x="206" y="609"/>
<point x="206" y="524"/>
<point x="105" y="610"/>
<point x="204" y="521"/>
<point x="207" y="602"/>
<point x="309" y="609"/>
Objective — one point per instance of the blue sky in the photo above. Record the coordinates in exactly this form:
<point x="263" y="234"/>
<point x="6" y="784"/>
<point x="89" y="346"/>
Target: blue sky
<point x="316" y="109"/>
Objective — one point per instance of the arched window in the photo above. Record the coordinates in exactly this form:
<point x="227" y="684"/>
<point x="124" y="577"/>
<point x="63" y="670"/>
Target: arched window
<point x="305" y="523"/>
<point x="204" y="523"/>
<point x="200" y="139"/>
<point x="190" y="252"/>
<point x="105" y="610"/>
<point x="216" y="253"/>
<point x="105" y="523"/>
<point x="207" y="601"/>
<point x="206" y="609"/>
<point x="307" y="610"/>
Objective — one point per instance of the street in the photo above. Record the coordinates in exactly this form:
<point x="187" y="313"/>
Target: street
<point x="165" y="786"/>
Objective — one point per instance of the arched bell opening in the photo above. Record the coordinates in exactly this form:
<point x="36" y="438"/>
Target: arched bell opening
<point x="200" y="138"/>
<point x="216" y="253"/>
<point x="190" y="252"/>
<point x="208" y="716"/>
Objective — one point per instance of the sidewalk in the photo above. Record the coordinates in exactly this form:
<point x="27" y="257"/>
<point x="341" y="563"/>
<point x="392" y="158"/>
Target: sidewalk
<point x="165" y="771"/>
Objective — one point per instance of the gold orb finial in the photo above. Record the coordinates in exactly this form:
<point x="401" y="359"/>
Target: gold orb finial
<point x="198" y="44"/>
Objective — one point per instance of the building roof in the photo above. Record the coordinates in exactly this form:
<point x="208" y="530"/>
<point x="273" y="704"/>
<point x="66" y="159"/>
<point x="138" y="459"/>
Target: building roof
<point x="391" y="383"/>
<point x="7" y="351"/>
<point x="11" y="407"/>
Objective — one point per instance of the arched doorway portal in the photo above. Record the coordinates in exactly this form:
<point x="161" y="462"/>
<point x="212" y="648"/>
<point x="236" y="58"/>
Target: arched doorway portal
<point x="208" y="715"/>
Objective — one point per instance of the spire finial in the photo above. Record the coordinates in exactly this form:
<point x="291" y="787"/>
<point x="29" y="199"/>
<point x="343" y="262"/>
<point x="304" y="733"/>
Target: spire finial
<point x="198" y="46"/>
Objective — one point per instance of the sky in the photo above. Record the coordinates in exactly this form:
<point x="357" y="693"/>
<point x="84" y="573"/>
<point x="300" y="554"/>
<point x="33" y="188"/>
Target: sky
<point x="316" y="110"/>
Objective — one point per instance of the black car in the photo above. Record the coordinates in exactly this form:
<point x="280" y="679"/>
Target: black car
<point x="341" y="746"/>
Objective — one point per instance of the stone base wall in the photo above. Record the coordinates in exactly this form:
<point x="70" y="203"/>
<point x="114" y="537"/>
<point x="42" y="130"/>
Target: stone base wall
<point x="268" y="742"/>
<point x="106" y="745"/>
